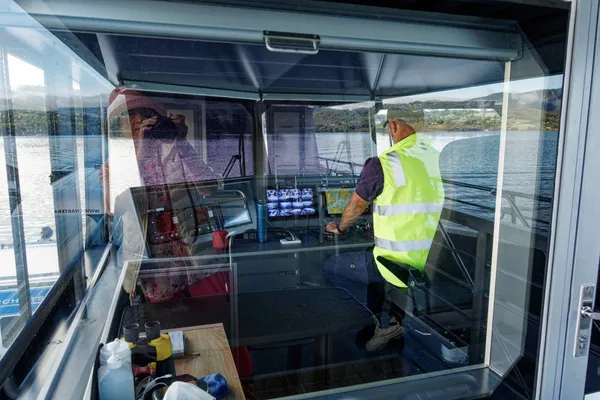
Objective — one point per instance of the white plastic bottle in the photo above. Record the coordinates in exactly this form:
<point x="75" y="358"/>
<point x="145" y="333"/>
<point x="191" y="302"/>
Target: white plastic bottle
<point x="123" y="352"/>
<point x="105" y="353"/>
<point x="117" y="382"/>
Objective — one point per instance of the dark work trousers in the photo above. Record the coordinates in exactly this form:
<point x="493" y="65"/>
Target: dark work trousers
<point x="357" y="273"/>
<point x="353" y="272"/>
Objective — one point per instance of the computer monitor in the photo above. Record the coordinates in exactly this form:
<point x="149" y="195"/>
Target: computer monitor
<point x="291" y="203"/>
<point x="235" y="212"/>
<point x="336" y="200"/>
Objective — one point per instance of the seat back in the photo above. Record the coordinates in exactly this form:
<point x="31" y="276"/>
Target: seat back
<point x="451" y="268"/>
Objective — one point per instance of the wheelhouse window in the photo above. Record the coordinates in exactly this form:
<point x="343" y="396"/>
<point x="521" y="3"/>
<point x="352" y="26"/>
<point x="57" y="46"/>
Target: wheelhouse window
<point x="354" y="211"/>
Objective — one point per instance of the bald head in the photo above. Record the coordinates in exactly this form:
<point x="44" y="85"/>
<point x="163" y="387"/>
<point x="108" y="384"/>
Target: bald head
<point x="399" y="130"/>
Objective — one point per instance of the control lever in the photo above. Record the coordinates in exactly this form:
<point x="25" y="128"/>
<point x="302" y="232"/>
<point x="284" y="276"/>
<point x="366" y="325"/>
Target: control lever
<point x="330" y="236"/>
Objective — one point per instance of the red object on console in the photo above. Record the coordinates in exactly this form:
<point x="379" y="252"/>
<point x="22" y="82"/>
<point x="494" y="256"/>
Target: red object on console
<point x="219" y="240"/>
<point x="164" y="223"/>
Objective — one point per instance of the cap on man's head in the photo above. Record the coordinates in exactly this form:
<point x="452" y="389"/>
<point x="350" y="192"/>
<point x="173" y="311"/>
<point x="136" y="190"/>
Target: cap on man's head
<point x="122" y="100"/>
<point x="401" y="122"/>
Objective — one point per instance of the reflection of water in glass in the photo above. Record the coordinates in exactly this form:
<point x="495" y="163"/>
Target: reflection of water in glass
<point x="37" y="203"/>
<point x="33" y="157"/>
<point x="529" y="166"/>
<point x="472" y="157"/>
<point x="338" y="145"/>
<point x="469" y="157"/>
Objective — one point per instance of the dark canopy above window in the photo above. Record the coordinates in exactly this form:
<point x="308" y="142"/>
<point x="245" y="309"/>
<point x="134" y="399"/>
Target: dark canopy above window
<point x="222" y="51"/>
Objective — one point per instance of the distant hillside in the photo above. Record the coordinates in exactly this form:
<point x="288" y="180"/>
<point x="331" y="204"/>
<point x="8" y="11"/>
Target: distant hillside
<point x="550" y="99"/>
<point x="527" y="111"/>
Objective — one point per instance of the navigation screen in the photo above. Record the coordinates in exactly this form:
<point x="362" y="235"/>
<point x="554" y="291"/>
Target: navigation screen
<point x="337" y="199"/>
<point x="290" y="202"/>
<point x="234" y="213"/>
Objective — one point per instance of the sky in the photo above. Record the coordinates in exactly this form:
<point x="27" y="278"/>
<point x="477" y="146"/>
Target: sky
<point x="22" y="73"/>
<point x="520" y="86"/>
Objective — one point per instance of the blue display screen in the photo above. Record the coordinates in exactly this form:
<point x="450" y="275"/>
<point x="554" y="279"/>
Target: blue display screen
<point x="286" y="203"/>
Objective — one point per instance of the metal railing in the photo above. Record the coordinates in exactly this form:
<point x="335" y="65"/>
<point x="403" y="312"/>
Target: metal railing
<point x="509" y="195"/>
<point x="332" y="165"/>
<point x="335" y="162"/>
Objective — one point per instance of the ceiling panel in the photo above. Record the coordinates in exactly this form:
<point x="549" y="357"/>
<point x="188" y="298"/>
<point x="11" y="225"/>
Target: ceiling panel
<point x="253" y="68"/>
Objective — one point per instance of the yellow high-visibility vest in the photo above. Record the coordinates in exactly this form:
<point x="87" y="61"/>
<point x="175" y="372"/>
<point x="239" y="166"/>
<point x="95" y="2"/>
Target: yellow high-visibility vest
<point x="407" y="212"/>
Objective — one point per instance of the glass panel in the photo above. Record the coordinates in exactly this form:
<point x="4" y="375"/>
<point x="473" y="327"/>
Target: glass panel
<point x="526" y="172"/>
<point x="50" y="208"/>
<point x="283" y="253"/>
<point x="30" y="262"/>
<point x="332" y="140"/>
<point x="466" y="126"/>
<point x="215" y="141"/>
<point x="301" y="222"/>
<point x="229" y="127"/>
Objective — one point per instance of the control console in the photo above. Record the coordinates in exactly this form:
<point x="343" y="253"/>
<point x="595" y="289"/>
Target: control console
<point x="177" y="220"/>
<point x="360" y="230"/>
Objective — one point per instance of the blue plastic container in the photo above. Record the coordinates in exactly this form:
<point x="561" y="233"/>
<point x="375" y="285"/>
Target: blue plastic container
<point x="262" y="223"/>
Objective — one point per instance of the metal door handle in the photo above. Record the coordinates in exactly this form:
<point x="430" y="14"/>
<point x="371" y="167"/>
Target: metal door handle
<point x="584" y="322"/>
<point x="587" y="312"/>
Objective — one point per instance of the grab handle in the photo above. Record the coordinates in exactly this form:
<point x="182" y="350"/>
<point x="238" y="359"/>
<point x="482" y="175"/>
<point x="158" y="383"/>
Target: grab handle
<point x="292" y="43"/>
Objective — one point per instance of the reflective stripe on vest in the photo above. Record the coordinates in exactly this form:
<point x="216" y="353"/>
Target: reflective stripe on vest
<point x="397" y="169"/>
<point x="414" y="208"/>
<point x="406" y="245"/>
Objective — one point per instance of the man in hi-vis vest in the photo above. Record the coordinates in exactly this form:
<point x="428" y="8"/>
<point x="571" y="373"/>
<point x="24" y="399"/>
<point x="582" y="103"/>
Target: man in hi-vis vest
<point x="406" y="189"/>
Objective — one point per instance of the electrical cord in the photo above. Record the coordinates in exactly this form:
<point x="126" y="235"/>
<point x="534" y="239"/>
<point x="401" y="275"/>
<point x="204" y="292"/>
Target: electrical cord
<point x="142" y="385"/>
<point x="151" y="385"/>
<point x="290" y="233"/>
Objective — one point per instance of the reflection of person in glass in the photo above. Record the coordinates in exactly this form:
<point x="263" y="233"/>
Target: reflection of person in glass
<point x="164" y="157"/>
<point x="163" y="153"/>
<point x="405" y="187"/>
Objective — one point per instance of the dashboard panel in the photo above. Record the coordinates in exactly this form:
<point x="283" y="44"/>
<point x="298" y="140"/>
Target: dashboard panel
<point x="179" y="220"/>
